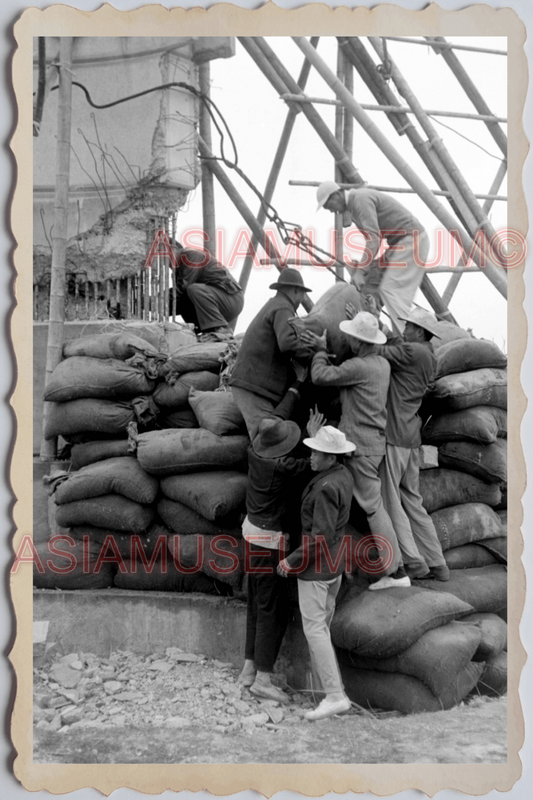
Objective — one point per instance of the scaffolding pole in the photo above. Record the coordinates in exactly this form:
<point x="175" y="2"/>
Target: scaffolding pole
<point x="275" y="170"/>
<point x="494" y="273"/>
<point x="339" y="131"/>
<point x="208" y="189"/>
<point x="403" y="189"/>
<point x="54" y="349"/>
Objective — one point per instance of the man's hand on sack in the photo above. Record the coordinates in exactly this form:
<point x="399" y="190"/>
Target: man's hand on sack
<point x="315" y="341"/>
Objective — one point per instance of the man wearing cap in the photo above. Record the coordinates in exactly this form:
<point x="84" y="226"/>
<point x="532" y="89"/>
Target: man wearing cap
<point x="364" y="382"/>
<point x="377" y="216"/>
<point x="271" y="470"/>
<point x="206" y="294"/>
<point x="413" y="367"/>
<point x="325" y="511"/>
<point x="263" y="371"/>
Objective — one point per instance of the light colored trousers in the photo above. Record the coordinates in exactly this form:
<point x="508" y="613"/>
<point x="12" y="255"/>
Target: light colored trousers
<point x="317" y="606"/>
<point x="367" y="491"/>
<point x="403" y="275"/>
<point x="417" y="537"/>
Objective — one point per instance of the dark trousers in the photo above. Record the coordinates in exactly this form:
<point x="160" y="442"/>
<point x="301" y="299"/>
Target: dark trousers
<point x="208" y="307"/>
<point x="268" y="609"/>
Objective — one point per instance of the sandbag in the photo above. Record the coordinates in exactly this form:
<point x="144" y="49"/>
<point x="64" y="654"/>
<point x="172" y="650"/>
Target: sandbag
<point x="428" y="457"/>
<point x="123" y="476"/>
<point x="481" y="424"/>
<point x="88" y="415"/>
<point x="217" y="412"/>
<point x="493" y="680"/>
<point x="502" y="513"/>
<point x="466" y="523"/>
<point x="165" y="578"/>
<point x="479" y="387"/>
<point x="108" y="345"/>
<point x="172" y="452"/>
<point x="181" y="519"/>
<point x="218" y="556"/>
<point x="176" y="396"/>
<point x="397" y="692"/>
<point x="194" y="358"/>
<point x="178" y="419"/>
<point x="463" y="355"/>
<point x="152" y="332"/>
<point x="468" y="556"/>
<point x="384" y="623"/>
<point x="326" y="314"/>
<point x="485" y="589"/>
<point x="89" y="452"/>
<point x="448" y="332"/>
<point x="448" y="487"/>
<point x="485" y="461"/>
<point x="496" y="547"/>
<point x="493" y="635"/>
<point x="107" y="511"/>
<point x="77" y="570"/>
<point x="213" y="495"/>
<point x="436" y="658"/>
<point x="96" y="377"/>
<point x="129" y="545"/>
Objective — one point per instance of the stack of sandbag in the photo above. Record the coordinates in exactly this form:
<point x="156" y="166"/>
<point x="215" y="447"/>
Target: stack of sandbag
<point x="468" y="424"/>
<point x="103" y="383"/>
<point x="407" y="649"/>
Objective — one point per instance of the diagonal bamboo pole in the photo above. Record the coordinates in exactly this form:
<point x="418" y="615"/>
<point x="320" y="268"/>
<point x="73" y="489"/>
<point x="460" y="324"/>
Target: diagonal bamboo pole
<point x="54" y="349"/>
<point x="246" y="213"/>
<point x="494" y="274"/>
<point x="275" y="169"/>
<point x="442" y="47"/>
<point x="339" y="129"/>
<point x="208" y="192"/>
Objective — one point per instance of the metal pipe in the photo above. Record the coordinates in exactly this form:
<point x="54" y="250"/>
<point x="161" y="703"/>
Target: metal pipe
<point x="257" y="229"/>
<point x="325" y="101"/>
<point x="493" y="273"/>
<point x="443" y="48"/>
<point x="54" y="348"/>
<point x="275" y="170"/>
<point x="431" y="39"/>
<point x="267" y="61"/>
<point x="402" y="189"/>
<point x="208" y="190"/>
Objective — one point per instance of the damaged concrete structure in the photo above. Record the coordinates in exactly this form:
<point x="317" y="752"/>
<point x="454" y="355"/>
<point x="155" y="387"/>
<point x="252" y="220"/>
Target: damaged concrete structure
<point x="133" y="158"/>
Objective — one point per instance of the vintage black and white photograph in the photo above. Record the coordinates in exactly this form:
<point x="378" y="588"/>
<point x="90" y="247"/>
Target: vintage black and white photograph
<point x="270" y="348"/>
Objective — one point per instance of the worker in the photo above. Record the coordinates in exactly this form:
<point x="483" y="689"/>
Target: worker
<point x="271" y="471"/>
<point x="206" y="294"/>
<point x="364" y="382"/>
<point x="413" y="368"/>
<point x="263" y="371"/>
<point x="377" y="216"/>
<point x="325" y="511"/>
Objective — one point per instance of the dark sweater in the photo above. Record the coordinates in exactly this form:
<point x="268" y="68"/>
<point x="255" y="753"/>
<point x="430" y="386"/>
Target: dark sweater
<point x="269" y="488"/>
<point x="198" y="266"/>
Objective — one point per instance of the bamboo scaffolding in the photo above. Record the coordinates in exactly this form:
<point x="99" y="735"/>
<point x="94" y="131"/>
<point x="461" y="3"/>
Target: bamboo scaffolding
<point x="208" y="190"/>
<point x="275" y="170"/>
<point x="326" y="101"/>
<point x="494" y="274"/>
<point x="449" y="45"/>
<point x="274" y="70"/>
<point x="443" y="48"/>
<point x="54" y="347"/>
<point x="402" y="189"/>
<point x="451" y="173"/>
<point x="339" y="131"/>
<point x="245" y="212"/>
<point x="441" y="269"/>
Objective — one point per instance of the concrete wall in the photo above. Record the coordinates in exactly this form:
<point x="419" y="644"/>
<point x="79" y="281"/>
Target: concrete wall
<point x="103" y="620"/>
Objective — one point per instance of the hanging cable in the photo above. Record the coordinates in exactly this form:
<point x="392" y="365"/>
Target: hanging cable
<point x="465" y="137"/>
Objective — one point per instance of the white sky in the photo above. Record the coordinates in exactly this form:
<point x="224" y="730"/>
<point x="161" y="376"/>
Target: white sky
<point x="256" y="116"/>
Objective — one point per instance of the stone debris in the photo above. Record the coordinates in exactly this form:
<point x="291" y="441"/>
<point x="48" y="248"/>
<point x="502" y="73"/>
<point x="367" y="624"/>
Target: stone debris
<point x="173" y="690"/>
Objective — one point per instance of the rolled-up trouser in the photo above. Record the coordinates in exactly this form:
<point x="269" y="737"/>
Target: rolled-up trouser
<point x="253" y="407"/>
<point x="208" y="307"/>
<point x="400" y="482"/>
<point x="267" y="610"/>
<point x="404" y="262"/>
<point x="317" y="606"/>
<point x="367" y="492"/>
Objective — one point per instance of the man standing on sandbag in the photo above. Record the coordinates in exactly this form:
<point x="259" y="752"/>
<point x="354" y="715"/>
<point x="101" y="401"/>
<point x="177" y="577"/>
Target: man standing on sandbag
<point x="325" y="512"/>
<point x="206" y="294"/>
<point x="364" y="382"/>
<point x="377" y="216"/>
<point x="413" y="367"/>
<point x="263" y="372"/>
<point x="271" y="470"/>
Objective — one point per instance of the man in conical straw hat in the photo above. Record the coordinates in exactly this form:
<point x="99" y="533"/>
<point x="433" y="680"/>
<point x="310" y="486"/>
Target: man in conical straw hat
<point x="325" y="511"/>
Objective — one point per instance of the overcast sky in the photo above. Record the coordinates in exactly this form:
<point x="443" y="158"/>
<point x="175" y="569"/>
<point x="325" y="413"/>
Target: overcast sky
<point x="256" y="115"/>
